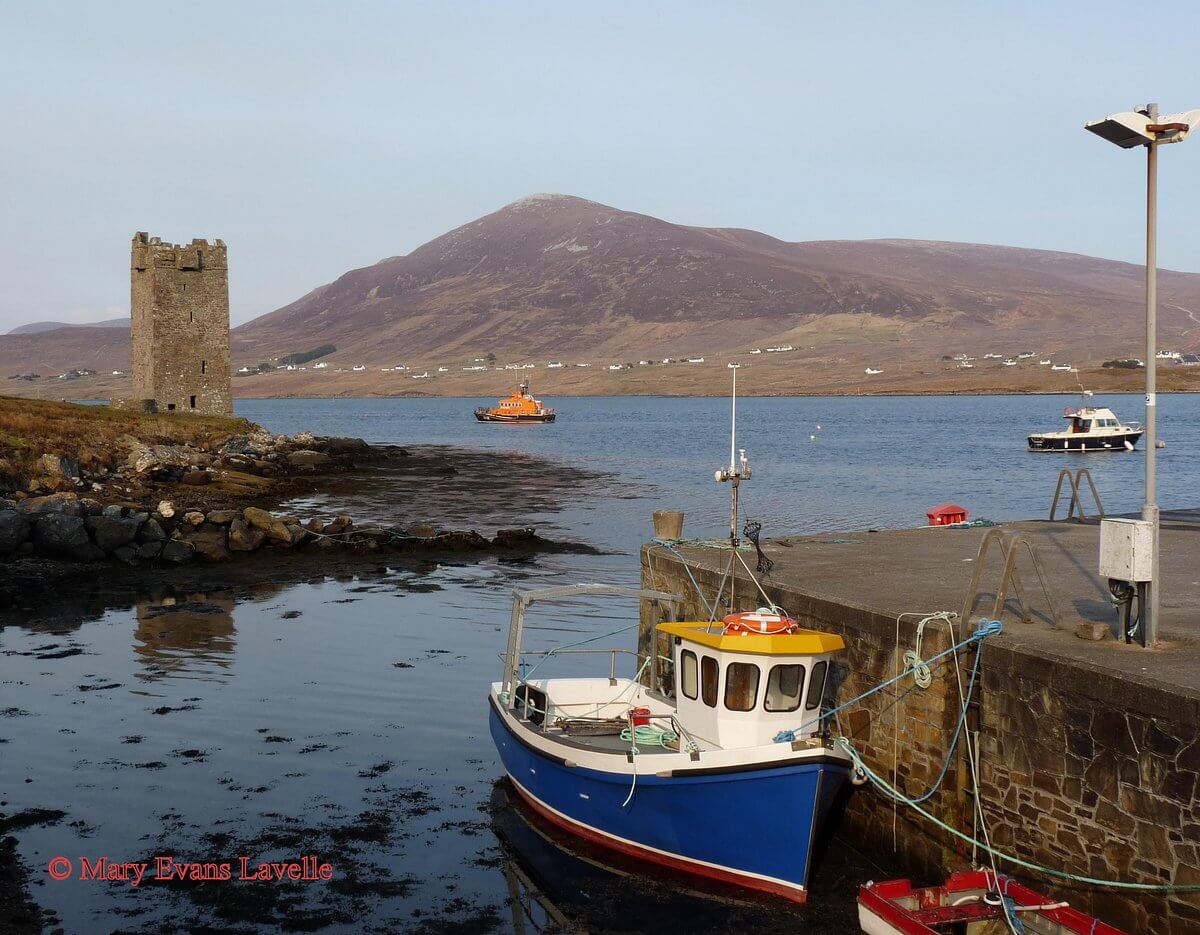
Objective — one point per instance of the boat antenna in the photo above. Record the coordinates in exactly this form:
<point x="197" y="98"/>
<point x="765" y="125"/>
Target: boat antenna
<point x="739" y="468"/>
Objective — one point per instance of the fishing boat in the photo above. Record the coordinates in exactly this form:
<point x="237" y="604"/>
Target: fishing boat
<point x="519" y="407"/>
<point x="682" y="768"/>
<point x="1090" y="428"/>
<point x="979" y="902"/>
<point x="711" y="759"/>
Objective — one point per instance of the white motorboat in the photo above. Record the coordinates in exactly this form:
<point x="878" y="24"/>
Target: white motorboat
<point x="1091" y="428"/>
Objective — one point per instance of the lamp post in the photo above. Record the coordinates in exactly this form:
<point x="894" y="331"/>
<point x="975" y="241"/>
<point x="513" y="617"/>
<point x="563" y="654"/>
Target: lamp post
<point x="1144" y="127"/>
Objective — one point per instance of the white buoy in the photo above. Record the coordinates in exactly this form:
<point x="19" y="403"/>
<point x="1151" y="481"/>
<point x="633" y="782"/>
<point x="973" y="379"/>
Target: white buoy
<point x="1160" y="444"/>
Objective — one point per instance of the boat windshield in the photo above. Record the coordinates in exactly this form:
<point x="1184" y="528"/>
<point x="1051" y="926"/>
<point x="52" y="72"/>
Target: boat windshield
<point x="1081" y="425"/>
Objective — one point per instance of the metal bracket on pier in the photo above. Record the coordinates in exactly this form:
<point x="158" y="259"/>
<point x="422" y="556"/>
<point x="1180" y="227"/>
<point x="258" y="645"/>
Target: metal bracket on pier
<point x="1076" y="500"/>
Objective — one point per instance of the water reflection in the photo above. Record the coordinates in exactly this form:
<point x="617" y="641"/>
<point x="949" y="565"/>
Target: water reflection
<point x="191" y="636"/>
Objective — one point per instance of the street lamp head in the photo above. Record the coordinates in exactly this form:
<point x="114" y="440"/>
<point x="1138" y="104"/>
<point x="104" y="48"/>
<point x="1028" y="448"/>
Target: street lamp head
<point x="1135" y="128"/>
<point x="1126" y="129"/>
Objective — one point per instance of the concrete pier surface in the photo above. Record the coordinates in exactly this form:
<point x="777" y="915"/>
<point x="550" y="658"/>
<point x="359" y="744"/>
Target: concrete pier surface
<point x="930" y="568"/>
<point x="1089" y="749"/>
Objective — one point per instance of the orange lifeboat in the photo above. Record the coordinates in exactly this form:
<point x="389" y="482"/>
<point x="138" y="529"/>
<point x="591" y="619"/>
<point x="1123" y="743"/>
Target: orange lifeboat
<point x="519" y="407"/>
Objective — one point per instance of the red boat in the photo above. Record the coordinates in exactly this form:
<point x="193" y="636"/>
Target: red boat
<point x="972" y="903"/>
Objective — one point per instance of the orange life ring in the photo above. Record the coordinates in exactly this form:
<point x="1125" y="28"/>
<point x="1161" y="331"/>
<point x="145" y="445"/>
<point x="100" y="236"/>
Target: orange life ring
<point x="761" y="622"/>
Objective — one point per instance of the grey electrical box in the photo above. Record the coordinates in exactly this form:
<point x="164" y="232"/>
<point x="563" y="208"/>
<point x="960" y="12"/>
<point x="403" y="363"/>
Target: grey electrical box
<point x="1126" y="549"/>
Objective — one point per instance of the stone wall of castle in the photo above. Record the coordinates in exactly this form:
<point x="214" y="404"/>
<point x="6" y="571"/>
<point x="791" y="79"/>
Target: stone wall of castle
<point x="180" y="328"/>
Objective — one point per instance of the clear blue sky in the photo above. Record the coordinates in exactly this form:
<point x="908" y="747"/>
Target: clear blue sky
<point x="318" y="137"/>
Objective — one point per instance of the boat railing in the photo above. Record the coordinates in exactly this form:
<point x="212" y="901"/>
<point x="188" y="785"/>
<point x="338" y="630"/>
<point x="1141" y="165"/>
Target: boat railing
<point x="612" y="652"/>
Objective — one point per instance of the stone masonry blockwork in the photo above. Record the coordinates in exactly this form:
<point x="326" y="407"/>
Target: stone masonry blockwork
<point x="180" y="325"/>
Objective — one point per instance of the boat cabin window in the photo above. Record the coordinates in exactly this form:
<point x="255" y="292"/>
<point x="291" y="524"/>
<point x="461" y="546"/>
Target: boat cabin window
<point x="741" y="686"/>
<point x="1081" y="425"/>
<point x="708" y="681"/>
<point x="816" y="686"/>
<point x="531" y="704"/>
<point x="784" y="685"/>
<point x="688" y="673"/>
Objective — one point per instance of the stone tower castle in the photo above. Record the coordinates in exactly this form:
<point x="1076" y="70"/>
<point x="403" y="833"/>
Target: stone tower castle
<point x="180" y="329"/>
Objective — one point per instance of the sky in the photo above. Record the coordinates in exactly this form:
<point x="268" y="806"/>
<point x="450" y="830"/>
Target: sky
<point x="314" y="138"/>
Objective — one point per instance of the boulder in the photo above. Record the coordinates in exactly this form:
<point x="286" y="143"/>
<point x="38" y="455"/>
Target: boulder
<point x="223" y="517"/>
<point x="178" y="552"/>
<point x="209" y="542"/>
<point x="58" y="466"/>
<point x="287" y="534"/>
<point x="113" y="532"/>
<point x="149" y="550"/>
<point x="515" y="538"/>
<point x="151" y="531"/>
<point x="14" y="529"/>
<point x="193" y="517"/>
<point x="340" y="446"/>
<point x="422" y="530"/>
<point x="316" y="524"/>
<point x="196" y="478"/>
<point x="245" y="538"/>
<point x="59" y="535"/>
<point x="91" y="507"/>
<point x="338" y="525"/>
<point x="305" y="458"/>
<point x="376" y="534"/>
<point x="66" y="503"/>
<point x="260" y="519"/>
<point x="304" y="439"/>
<point x="166" y="508"/>
<point x="127" y="554"/>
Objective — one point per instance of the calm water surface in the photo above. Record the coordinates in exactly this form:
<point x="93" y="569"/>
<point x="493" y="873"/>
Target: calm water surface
<point x="346" y="718"/>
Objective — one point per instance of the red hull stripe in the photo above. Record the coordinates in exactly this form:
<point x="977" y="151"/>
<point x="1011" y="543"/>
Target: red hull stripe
<point x="792" y="893"/>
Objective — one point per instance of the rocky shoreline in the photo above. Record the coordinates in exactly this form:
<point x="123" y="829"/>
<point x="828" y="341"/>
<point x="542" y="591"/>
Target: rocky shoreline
<point x="171" y="504"/>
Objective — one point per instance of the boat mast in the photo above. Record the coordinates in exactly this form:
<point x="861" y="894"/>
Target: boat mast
<point x="738" y="470"/>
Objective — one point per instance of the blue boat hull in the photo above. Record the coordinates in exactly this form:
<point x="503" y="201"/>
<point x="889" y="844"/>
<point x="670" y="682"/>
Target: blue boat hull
<point x="752" y="827"/>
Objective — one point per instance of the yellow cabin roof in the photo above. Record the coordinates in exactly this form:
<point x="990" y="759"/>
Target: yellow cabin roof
<point x="800" y="643"/>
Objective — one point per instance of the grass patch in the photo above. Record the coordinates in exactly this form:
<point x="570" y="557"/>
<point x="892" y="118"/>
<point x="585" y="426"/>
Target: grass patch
<point x="30" y="428"/>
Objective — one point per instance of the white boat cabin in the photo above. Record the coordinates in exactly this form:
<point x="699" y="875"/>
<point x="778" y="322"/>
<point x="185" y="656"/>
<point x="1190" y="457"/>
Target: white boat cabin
<point x="741" y="690"/>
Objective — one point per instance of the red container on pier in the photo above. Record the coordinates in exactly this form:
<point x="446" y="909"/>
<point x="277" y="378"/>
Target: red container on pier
<point x="946" y="513"/>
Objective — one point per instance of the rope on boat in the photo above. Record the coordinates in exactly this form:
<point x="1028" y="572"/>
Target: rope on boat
<point x="983" y="631"/>
<point x="882" y="784"/>
<point x="647" y="735"/>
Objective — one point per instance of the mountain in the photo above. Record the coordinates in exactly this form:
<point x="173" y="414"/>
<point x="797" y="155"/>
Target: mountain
<point x="37" y="327"/>
<point x="554" y="275"/>
<point x="559" y="277"/>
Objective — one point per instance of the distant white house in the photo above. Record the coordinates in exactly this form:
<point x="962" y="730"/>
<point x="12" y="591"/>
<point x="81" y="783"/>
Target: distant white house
<point x="359" y="368"/>
<point x="1061" y="367"/>
<point x="1045" y="363"/>
<point x="780" y="348"/>
<point x="421" y="376"/>
<point x="554" y="365"/>
<point x="443" y="370"/>
<point x="757" y="350"/>
<point x="121" y="373"/>
<point x="583" y="365"/>
<point x="991" y="356"/>
<point x="321" y="366"/>
<point x="1024" y="355"/>
<point x="695" y="360"/>
<point x="476" y="367"/>
<point x="616" y="366"/>
<point x="871" y="371"/>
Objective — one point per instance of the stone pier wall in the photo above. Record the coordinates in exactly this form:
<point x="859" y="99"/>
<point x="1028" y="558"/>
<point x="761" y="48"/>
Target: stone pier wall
<point x="1079" y="770"/>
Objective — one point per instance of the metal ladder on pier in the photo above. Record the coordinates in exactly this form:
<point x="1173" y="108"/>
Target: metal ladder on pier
<point x="1010" y="545"/>
<point x="1076" y="482"/>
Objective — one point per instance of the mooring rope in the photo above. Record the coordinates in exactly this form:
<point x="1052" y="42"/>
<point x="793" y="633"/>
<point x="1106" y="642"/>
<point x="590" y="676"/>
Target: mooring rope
<point x="986" y="628"/>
